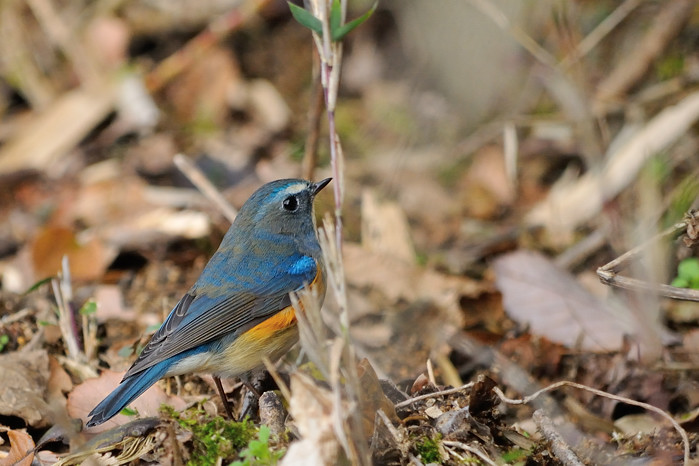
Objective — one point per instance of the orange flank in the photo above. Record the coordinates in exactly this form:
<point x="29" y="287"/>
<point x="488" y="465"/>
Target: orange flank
<point x="279" y="321"/>
<point x="282" y="319"/>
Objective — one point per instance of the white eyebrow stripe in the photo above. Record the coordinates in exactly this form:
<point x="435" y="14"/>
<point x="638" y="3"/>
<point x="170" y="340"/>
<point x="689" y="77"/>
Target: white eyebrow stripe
<point x="295" y="188"/>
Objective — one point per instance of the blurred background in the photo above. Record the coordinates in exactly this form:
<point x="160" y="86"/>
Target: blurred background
<point x="470" y="128"/>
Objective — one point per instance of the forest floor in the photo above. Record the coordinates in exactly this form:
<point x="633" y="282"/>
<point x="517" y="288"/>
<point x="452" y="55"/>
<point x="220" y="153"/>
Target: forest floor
<point x="472" y="236"/>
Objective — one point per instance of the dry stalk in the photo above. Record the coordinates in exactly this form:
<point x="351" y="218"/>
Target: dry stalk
<point x="558" y="445"/>
<point x="528" y="399"/>
<point x="473" y="450"/>
<point x="202" y="183"/>
<point x="63" y="292"/>
<point x="448" y="391"/>
<point x="608" y="273"/>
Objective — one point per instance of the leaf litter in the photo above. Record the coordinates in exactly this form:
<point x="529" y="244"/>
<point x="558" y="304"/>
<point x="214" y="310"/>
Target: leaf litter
<point x="452" y="320"/>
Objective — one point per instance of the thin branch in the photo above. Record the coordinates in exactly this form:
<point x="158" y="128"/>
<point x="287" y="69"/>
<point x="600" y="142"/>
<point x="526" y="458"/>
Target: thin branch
<point x="470" y="449"/>
<point x="608" y="273"/>
<point x="600" y="32"/>
<point x="560" y="448"/>
<point x="623" y="399"/>
<point x="198" y="179"/>
<point x="448" y="391"/>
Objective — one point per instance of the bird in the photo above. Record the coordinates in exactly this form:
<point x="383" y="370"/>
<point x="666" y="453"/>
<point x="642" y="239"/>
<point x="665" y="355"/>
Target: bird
<point x="239" y="310"/>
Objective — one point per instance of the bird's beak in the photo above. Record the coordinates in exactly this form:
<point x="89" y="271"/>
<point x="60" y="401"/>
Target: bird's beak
<point x="316" y="187"/>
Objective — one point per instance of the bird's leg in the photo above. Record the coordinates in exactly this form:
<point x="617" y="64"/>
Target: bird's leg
<point x="251" y="387"/>
<point x="252" y="396"/>
<point x="224" y="398"/>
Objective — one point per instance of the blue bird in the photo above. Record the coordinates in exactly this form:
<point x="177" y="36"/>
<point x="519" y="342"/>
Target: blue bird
<point x="239" y="310"/>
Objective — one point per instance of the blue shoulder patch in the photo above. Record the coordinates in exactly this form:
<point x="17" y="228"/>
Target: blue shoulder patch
<point x="303" y="266"/>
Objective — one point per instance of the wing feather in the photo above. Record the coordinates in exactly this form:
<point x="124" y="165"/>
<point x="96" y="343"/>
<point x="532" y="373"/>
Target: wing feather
<point x="198" y="319"/>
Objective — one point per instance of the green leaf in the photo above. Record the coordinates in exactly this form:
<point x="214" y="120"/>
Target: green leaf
<point x="335" y="15"/>
<point x="688" y="268"/>
<point x="306" y="18"/>
<point x="680" y="282"/>
<point x="90" y="307"/>
<point x="339" y="33"/>
<point x="694" y="283"/>
<point x="36" y="285"/>
<point x="128" y="411"/>
<point x="4" y="340"/>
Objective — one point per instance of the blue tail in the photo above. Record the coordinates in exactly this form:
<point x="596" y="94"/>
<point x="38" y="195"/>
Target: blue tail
<point x="128" y="390"/>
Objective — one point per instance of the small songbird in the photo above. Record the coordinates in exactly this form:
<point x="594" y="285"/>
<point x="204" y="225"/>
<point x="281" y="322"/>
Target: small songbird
<point x="239" y="310"/>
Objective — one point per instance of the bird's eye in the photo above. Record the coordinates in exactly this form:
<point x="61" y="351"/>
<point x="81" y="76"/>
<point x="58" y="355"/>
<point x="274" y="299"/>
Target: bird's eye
<point x="291" y="203"/>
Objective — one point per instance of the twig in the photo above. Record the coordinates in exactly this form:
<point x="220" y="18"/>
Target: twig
<point x="330" y="54"/>
<point x="19" y="315"/>
<point x="310" y="155"/>
<point x="633" y="66"/>
<point x="448" y="391"/>
<point x="577" y="253"/>
<point x="67" y="322"/>
<point x="565" y="383"/>
<point x="560" y="448"/>
<point x="470" y="449"/>
<point x="343" y="370"/>
<point x="430" y="372"/>
<point x="198" y="179"/>
<point x="600" y="32"/>
<point x="608" y="273"/>
<point x="52" y="23"/>
<point x="396" y="436"/>
<point x="492" y="11"/>
<point x="285" y="391"/>
<point x="171" y="438"/>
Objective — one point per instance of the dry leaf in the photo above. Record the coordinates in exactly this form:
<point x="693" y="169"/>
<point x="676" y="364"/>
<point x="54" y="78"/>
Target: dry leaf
<point x="312" y="409"/>
<point x="59" y="382"/>
<point x="88" y="394"/>
<point x="486" y="188"/>
<point x="199" y="94"/>
<point x="554" y="305"/>
<point x="58" y="129"/>
<point x="268" y="106"/>
<point x="373" y="397"/>
<point x="23" y="388"/>
<point x="20" y="444"/>
<point x="88" y="259"/>
<point x="385" y="228"/>
<point x="110" y="304"/>
<point x="398" y="280"/>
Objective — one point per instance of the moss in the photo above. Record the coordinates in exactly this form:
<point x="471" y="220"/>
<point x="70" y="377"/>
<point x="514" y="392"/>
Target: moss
<point x="428" y="449"/>
<point x="258" y="451"/>
<point x="215" y="438"/>
<point x="515" y="456"/>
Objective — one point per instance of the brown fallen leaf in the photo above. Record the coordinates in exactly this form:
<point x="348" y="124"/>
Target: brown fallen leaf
<point x="88" y="259"/>
<point x="23" y="388"/>
<point x="554" y="305"/>
<point x="21" y="446"/>
<point x="88" y="394"/>
<point x="398" y="280"/>
<point x="59" y="382"/>
<point x="61" y="127"/>
<point x="373" y="397"/>
<point x="485" y="188"/>
<point x="200" y="93"/>
<point x="385" y="228"/>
